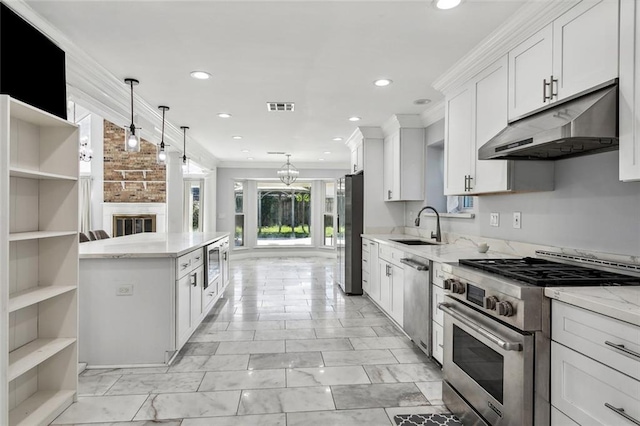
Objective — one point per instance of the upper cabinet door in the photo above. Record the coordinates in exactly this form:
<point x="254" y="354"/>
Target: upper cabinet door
<point x="585" y="47"/>
<point x="629" y="90"/>
<point x="530" y="70"/>
<point x="490" y="90"/>
<point x="391" y="156"/>
<point x="458" y="140"/>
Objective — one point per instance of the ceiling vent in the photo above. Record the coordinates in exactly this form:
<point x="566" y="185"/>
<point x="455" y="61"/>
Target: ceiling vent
<point x="280" y="106"/>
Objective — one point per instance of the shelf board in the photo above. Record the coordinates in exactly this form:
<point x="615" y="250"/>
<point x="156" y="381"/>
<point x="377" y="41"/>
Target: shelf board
<point x="36" y="235"/>
<point x="41" y="408"/>
<point x="32" y="354"/>
<point x="36" y="174"/>
<point x="30" y="114"/>
<point x="31" y="296"/>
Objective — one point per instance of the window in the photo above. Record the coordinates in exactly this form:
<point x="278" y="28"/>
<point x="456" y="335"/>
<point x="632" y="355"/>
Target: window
<point x="193" y="205"/>
<point x="284" y="213"/>
<point x="329" y="206"/>
<point x="238" y="191"/>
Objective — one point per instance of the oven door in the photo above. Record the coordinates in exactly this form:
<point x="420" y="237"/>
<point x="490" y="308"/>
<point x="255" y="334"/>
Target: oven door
<point x="489" y="364"/>
<point x="213" y="264"/>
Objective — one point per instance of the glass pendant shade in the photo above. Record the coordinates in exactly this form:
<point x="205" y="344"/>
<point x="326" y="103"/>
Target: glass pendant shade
<point x="288" y="174"/>
<point x="132" y="140"/>
<point x="162" y="154"/>
<point x="185" y="164"/>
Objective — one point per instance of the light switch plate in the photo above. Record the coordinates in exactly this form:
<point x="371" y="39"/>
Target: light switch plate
<point x="494" y="219"/>
<point x="517" y="220"/>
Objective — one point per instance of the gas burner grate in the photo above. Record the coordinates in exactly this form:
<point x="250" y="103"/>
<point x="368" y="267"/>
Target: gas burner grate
<point x="544" y="273"/>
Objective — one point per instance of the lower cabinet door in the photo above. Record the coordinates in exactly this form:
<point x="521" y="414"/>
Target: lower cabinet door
<point x="590" y="393"/>
<point x="183" y="309"/>
<point x="437" y="297"/>
<point x="197" y="284"/>
<point x="558" y="418"/>
<point x="437" y="341"/>
<point x="385" y="285"/>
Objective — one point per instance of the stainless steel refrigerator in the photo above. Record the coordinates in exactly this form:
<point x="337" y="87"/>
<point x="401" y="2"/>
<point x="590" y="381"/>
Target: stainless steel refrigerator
<point x="349" y="230"/>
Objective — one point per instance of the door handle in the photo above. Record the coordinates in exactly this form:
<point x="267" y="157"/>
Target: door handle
<point x="194" y="279"/>
<point x="621" y="412"/>
<point x="551" y="83"/>
<point x="507" y="346"/>
<point x="355" y="167"/>
<point x="544" y="90"/>
<point x="415" y="265"/>
<point x="622" y="349"/>
<point x="388" y="194"/>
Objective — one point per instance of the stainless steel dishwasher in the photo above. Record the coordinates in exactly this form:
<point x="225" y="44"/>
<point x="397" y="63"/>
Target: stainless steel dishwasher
<point x="417" y="305"/>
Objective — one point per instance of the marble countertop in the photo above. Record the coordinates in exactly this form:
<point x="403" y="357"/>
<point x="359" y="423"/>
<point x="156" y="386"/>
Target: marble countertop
<point x="439" y="252"/>
<point x="621" y="303"/>
<point x="148" y="245"/>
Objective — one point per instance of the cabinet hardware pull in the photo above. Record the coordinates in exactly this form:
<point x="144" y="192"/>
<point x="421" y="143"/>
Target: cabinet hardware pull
<point x="184" y="265"/>
<point x="465" y="182"/>
<point x="507" y="346"/>
<point x="194" y="279"/>
<point x="198" y="258"/>
<point x="622" y="348"/>
<point x="388" y="194"/>
<point x="551" y="92"/>
<point x="470" y="179"/>
<point x="355" y="167"/>
<point x="544" y="90"/>
<point x="621" y="412"/>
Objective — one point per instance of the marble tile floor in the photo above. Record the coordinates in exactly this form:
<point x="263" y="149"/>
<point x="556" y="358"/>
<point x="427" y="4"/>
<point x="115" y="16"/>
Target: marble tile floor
<point x="283" y="347"/>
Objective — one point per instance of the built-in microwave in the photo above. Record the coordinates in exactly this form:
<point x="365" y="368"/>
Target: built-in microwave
<point x="213" y="263"/>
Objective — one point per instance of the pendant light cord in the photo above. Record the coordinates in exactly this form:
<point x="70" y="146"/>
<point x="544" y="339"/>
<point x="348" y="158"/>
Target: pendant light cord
<point x="162" y="138"/>
<point x="131" y="84"/>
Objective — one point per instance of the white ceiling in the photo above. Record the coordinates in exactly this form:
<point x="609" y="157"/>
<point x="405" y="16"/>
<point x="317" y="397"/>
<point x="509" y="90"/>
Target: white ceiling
<point x="322" y="55"/>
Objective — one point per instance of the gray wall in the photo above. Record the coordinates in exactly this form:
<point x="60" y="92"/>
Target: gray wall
<point x="589" y="209"/>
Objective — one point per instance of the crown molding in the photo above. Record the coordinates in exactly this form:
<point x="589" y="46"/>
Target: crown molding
<point x="88" y="81"/>
<point x="433" y="114"/>
<point x="399" y="121"/>
<point x="529" y="19"/>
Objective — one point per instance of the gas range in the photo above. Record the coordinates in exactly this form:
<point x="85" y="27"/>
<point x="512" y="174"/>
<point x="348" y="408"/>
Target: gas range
<point x="497" y="348"/>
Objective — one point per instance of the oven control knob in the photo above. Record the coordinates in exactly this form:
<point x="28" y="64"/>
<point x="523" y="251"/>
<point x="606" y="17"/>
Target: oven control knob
<point x="505" y="309"/>
<point x="457" y="287"/>
<point x="491" y="302"/>
<point x="447" y="283"/>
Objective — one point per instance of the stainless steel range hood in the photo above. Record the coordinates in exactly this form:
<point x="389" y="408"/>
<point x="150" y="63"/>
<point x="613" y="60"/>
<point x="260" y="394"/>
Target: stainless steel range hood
<point x="583" y="124"/>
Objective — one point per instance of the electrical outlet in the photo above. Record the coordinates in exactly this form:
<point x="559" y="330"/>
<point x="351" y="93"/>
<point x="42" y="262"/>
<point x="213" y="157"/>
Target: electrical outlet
<point x="517" y="220"/>
<point x="125" y="290"/>
<point x="494" y="219"/>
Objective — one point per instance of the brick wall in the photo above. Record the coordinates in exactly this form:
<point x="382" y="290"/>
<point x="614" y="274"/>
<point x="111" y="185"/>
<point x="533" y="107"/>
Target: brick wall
<point x="115" y="158"/>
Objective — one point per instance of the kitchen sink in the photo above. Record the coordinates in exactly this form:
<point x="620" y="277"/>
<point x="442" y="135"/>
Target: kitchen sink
<point x="415" y="242"/>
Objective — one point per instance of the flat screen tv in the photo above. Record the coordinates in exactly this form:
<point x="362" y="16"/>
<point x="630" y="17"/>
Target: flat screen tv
<point x="32" y="67"/>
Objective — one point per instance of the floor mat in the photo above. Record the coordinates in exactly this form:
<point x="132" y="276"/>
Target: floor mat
<point x="426" y="420"/>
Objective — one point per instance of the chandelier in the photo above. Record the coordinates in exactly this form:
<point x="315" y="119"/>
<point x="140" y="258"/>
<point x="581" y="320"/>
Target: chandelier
<point x="288" y="173"/>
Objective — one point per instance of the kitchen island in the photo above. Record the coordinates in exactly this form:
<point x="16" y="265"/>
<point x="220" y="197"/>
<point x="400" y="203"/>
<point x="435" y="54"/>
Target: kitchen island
<point x="142" y="296"/>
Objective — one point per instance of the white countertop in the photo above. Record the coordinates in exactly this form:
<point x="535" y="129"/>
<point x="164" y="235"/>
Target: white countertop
<point x="148" y="245"/>
<point x="622" y="303"/>
<point x="438" y="252"/>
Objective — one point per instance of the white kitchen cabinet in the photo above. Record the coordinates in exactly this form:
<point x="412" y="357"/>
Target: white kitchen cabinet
<point x="437" y="316"/>
<point x="629" y="90"/>
<point x="384" y="272"/>
<point x="585" y="47"/>
<point x="357" y="157"/>
<point x="38" y="264"/>
<point x="403" y="155"/>
<point x="474" y="115"/>
<point x="530" y="70"/>
<point x="437" y="342"/>
<point x="374" y="273"/>
<point x="580" y="388"/>
<point x="458" y="138"/>
<point x="594" y="376"/>
<point x="576" y="52"/>
<point x="190" y="305"/>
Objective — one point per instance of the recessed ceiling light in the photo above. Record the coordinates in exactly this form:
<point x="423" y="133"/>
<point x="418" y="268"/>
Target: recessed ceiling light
<point x="447" y="4"/>
<point x="236" y="137"/>
<point x="421" y="101"/>
<point x="382" y="82"/>
<point x="224" y="115"/>
<point x="354" y="119"/>
<point x="249" y="158"/>
<point x="327" y="152"/>
<point x="338" y="139"/>
<point x="245" y="150"/>
<point x="320" y="159"/>
<point x="200" y="75"/>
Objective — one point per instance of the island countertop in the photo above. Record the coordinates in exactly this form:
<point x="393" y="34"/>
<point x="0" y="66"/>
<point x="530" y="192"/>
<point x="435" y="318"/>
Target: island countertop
<point x="148" y="245"/>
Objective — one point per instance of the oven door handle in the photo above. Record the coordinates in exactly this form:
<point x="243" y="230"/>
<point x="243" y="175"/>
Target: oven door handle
<point x="507" y="346"/>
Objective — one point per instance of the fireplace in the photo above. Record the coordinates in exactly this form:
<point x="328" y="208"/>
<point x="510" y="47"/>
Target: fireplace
<point x="127" y="224"/>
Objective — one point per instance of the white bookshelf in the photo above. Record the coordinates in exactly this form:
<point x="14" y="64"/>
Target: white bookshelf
<point x="38" y="264"/>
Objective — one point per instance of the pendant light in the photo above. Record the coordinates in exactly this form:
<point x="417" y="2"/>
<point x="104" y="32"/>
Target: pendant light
<point x="288" y="173"/>
<point x="185" y="167"/>
<point x="162" y="154"/>
<point x="132" y="140"/>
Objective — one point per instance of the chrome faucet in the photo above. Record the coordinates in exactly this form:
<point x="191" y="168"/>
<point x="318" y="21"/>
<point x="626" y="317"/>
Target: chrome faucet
<point x="437" y="235"/>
